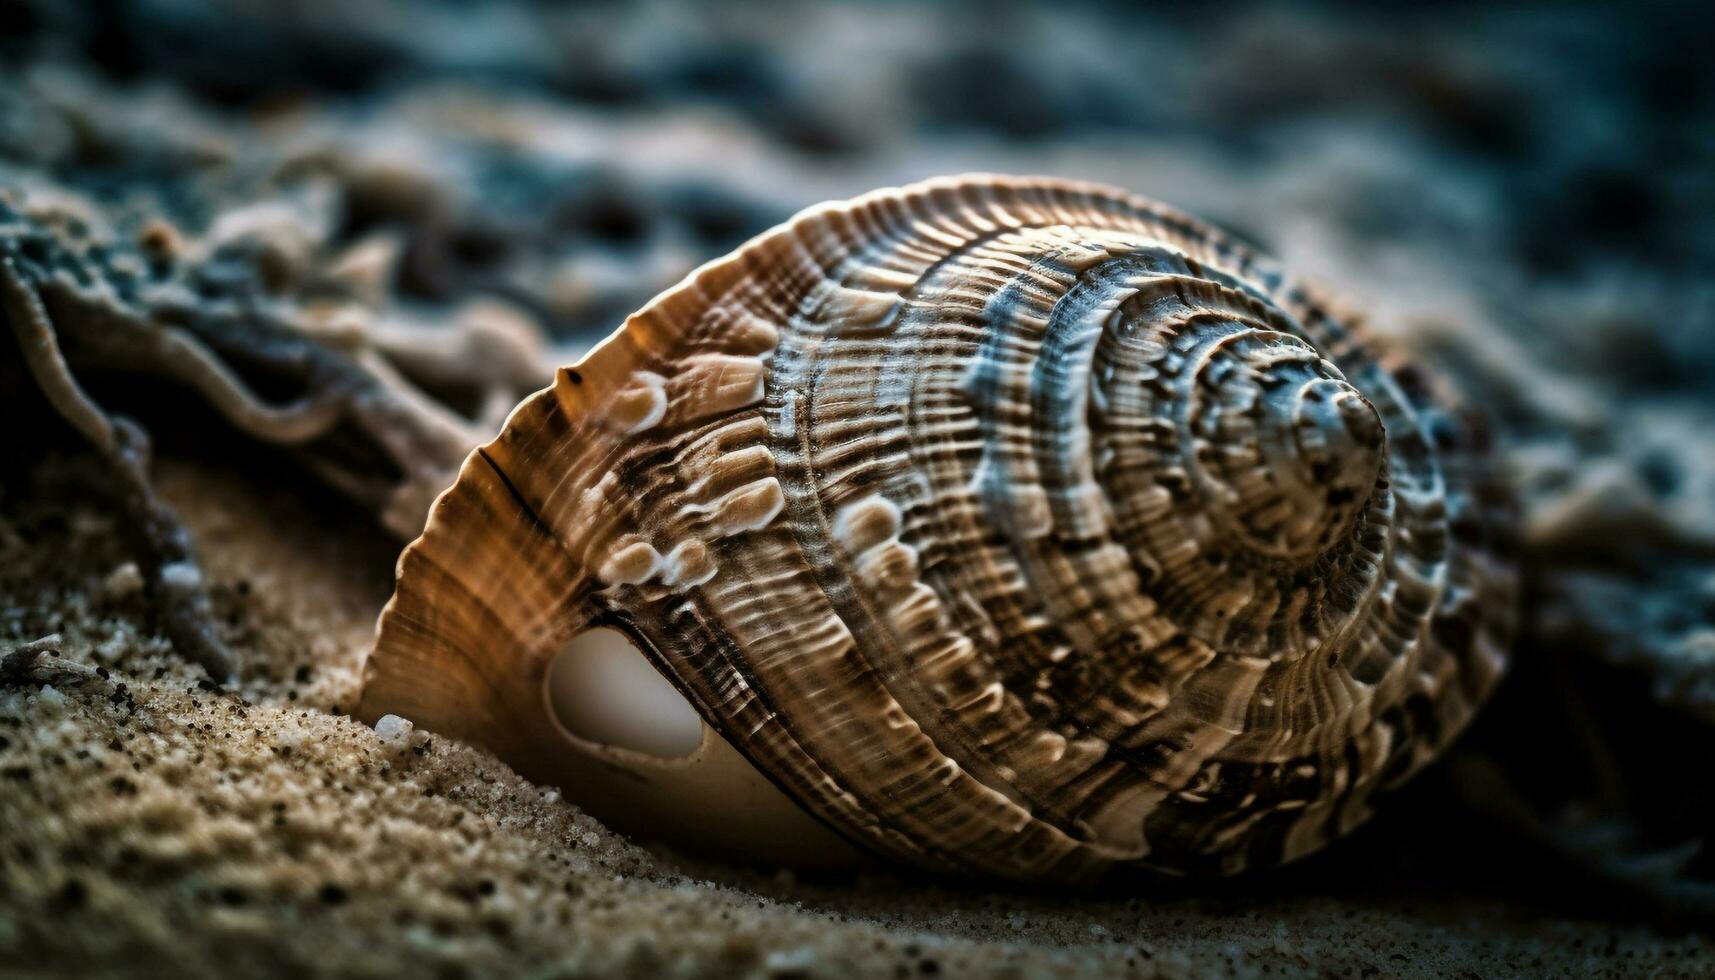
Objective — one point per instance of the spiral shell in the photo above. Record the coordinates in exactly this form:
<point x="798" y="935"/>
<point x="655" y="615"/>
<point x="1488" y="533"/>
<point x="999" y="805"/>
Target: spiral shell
<point x="1009" y="526"/>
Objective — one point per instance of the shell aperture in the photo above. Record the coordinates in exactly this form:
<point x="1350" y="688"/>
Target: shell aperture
<point x="1008" y="526"/>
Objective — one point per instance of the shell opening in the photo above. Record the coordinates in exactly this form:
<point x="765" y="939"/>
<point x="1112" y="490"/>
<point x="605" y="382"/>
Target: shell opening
<point x="604" y="690"/>
<point x="639" y="757"/>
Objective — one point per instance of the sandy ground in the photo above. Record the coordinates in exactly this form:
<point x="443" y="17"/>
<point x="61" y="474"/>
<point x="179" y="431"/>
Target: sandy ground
<point x="155" y="826"/>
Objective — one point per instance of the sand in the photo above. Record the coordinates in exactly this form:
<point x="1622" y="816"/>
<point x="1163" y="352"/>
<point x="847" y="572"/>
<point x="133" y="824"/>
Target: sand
<point x="154" y="825"/>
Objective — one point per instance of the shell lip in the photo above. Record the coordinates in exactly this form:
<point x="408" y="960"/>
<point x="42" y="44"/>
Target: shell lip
<point x="715" y="753"/>
<point x="627" y="759"/>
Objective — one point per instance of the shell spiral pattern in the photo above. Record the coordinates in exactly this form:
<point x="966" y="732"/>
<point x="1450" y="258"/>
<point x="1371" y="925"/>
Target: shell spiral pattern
<point x="1010" y="526"/>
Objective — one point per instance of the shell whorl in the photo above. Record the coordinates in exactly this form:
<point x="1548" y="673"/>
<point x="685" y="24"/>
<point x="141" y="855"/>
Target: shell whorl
<point x="1011" y="526"/>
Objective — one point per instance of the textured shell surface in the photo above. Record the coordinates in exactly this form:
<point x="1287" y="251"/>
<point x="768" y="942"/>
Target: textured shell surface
<point x="1009" y="526"/>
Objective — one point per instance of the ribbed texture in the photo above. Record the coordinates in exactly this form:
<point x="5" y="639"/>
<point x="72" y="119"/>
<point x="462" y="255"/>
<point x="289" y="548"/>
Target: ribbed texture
<point x="1013" y="526"/>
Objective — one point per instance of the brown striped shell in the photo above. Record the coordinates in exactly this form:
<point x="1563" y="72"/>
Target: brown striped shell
<point x="1017" y="527"/>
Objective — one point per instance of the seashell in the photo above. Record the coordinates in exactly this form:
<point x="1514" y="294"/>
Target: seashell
<point x="1010" y="527"/>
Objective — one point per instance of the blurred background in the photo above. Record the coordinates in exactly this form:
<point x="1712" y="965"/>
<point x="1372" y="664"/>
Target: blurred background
<point x="1563" y="149"/>
<point x="1521" y="196"/>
